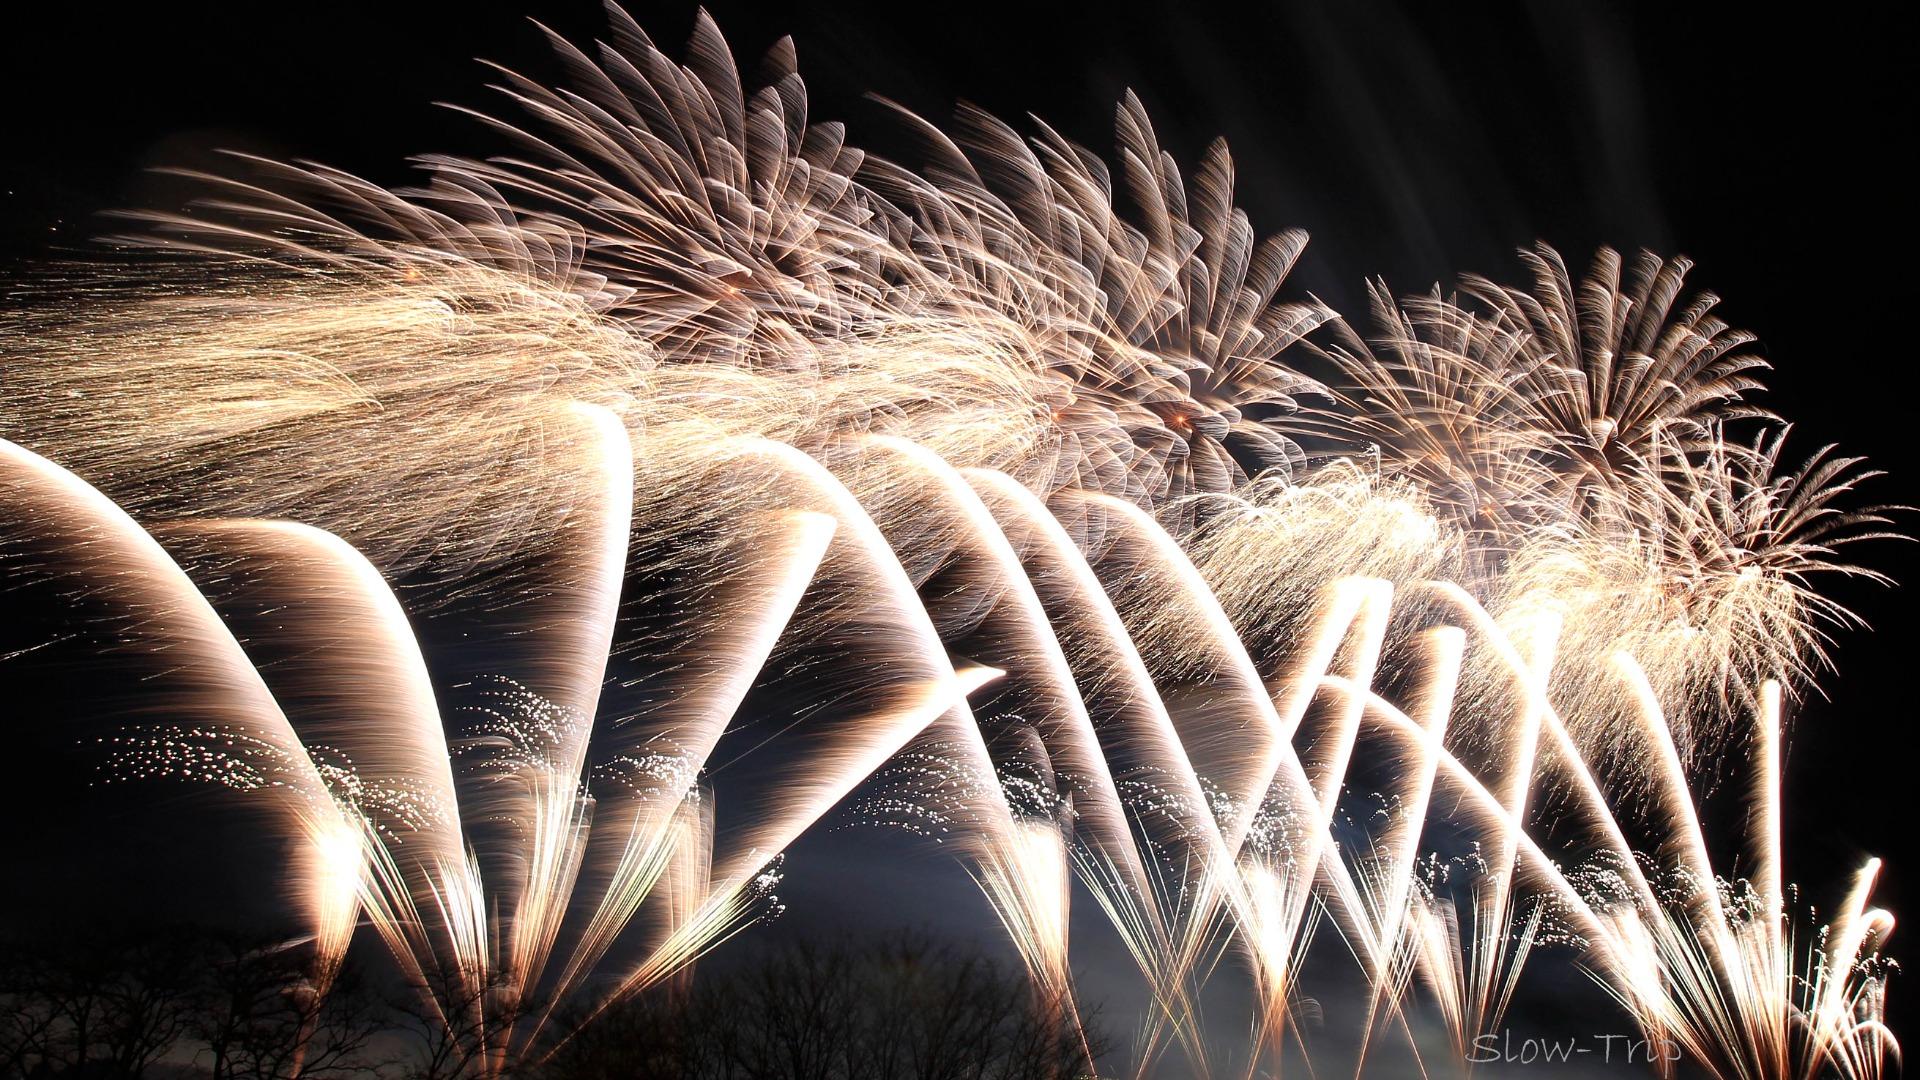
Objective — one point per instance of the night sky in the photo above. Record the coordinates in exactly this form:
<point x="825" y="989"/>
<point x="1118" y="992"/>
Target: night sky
<point x="1413" y="140"/>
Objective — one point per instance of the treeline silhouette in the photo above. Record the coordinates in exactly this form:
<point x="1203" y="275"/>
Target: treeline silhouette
<point x="224" y="1005"/>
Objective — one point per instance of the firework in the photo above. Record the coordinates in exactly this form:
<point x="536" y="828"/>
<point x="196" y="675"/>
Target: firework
<point x="689" y="398"/>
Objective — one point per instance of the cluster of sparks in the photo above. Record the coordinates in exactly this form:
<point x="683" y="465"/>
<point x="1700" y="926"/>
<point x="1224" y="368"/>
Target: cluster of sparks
<point x="691" y="399"/>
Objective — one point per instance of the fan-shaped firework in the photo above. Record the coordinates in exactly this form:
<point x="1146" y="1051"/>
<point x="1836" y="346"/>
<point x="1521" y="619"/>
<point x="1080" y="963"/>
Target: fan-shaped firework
<point x="1613" y="367"/>
<point x="687" y="397"/>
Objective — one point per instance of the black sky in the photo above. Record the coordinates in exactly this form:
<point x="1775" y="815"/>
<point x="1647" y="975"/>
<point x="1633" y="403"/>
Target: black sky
<point x="1413" y="140"/>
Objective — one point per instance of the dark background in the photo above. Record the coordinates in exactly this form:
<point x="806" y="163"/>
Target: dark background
<point x="1413" y="140"/>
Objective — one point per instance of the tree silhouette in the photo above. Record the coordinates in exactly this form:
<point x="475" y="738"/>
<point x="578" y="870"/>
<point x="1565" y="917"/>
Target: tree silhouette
<point x="903" y="1009"/>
